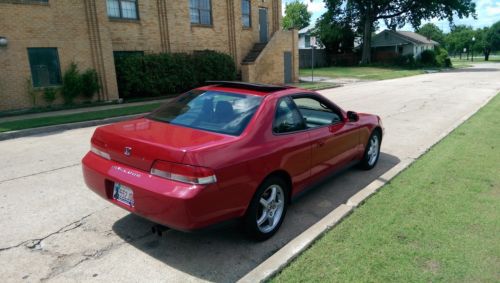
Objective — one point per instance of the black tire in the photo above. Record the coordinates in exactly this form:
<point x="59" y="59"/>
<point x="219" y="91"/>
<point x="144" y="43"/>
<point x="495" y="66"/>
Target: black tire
<point x="256" y="209"/>
<point x="368" y="162"/>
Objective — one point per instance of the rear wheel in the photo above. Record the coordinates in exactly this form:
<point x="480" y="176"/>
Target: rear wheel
<point x="372" y="151"/>
<point x="267" y="209"/>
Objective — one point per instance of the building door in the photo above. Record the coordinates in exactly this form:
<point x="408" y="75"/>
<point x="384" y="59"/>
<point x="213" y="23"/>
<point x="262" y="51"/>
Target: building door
<point x="263" y="24"/>
<point x="287" y="64"/>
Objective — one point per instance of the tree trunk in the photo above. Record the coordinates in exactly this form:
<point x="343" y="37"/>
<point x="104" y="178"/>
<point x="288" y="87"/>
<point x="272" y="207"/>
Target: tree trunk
<point x="367" y="36"/>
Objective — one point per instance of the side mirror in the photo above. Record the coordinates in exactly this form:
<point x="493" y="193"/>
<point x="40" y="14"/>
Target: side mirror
<point x="352" y="116"/>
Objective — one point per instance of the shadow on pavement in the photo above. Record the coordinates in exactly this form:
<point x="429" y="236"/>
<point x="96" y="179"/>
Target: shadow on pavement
<point x="471" y="70"/>
<point x="225" y="254"/>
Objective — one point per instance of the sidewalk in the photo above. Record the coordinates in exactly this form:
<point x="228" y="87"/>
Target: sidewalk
<point x="78" y="110"/>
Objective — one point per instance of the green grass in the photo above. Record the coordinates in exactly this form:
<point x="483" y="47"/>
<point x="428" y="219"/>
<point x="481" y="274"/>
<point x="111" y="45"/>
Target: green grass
<point x="72" y="118"/>
<point x="314" y="86"/>
<point x="462" y="63"/>
<point x="363" y="73"/>
<point x="439" y="220"/>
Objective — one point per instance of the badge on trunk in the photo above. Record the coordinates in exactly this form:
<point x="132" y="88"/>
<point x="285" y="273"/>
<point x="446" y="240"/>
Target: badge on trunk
<point x="127" y="151"/>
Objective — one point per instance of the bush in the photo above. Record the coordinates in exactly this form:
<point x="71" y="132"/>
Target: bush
<point x="72" y="84"/>
<point x="171" y="73"/>
<point x="49" y="95"/>
<point x="90" y="83"/>
<point x="405" y="61"/>
<point x="442" y="59"/>
<point x="428" y="58"/>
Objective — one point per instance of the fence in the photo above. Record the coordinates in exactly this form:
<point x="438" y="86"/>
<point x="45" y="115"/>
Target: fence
<point x="323" y="59"/>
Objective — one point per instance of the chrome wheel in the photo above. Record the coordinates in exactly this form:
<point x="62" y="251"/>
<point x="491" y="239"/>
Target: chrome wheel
<point x="270" y="211"/>
<point x="373" y="150"/>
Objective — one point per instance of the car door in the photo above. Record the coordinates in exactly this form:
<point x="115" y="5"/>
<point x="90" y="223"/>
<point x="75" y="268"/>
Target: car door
<point x="333" y="140"/>
<point x="291" y="142"/>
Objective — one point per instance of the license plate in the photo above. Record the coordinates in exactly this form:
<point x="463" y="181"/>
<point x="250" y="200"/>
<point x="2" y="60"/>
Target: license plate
<point x="123" y="194"/>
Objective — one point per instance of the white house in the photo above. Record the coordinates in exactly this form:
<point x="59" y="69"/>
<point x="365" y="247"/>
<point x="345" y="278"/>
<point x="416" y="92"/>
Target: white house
<point x="401" y="43"/>
<point x="305" y="39"/>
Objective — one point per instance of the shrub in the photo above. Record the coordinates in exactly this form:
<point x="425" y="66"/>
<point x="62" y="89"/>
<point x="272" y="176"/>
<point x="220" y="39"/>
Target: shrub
<point x="30" y="90"/>
<point x="171" y="73"/>
<point x="405" y="61"/>
<point x="49" y="95"/>
<point x="90" y="83"/>
<point x="428" y="58"/>
<point x="72" y="84"/>
<point x="442" y="59"/>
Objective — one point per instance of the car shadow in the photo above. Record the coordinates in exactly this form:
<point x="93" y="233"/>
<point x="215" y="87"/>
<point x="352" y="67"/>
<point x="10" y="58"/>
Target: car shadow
<point x="225" y="254"/>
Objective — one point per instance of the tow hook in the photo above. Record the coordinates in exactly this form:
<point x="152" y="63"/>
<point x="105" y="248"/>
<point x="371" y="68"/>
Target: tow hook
<point x="159" y="229"/>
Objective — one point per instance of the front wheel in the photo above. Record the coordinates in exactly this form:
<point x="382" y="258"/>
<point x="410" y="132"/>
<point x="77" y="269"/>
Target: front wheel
<point x="267" y="209"/>
<point x="372" y="152"/>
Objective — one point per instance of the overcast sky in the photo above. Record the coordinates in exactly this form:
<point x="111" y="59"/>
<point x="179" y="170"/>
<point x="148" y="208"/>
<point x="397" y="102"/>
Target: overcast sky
<point x="488" y="12"/>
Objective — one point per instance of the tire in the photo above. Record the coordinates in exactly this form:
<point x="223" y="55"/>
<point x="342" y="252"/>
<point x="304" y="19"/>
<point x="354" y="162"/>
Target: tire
<point x="265" y="213"/>
<point x="372" y="151"/>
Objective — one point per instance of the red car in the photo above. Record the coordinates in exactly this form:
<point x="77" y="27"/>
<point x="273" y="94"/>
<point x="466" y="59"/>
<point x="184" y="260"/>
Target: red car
<point x="228" y="150"/>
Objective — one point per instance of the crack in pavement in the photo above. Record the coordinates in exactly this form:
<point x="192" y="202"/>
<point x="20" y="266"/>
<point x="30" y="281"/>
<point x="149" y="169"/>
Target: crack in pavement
<point x="35" y="243"/>
<point x="38" y="173"/>
<point x="58" y="269"/>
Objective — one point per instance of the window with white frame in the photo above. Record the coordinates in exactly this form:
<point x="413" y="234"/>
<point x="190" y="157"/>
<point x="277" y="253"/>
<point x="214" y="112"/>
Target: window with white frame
<point x="200" y="12"/>
<point x="246" y="10"/>
<point x="123" y="9"/>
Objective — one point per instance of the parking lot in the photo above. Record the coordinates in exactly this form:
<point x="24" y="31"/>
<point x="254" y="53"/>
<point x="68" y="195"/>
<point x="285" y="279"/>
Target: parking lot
<point x="54" y="228"/>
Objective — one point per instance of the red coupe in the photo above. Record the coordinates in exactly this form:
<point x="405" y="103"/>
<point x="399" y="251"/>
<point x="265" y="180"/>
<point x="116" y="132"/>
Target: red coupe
<point x="228" y="150"/>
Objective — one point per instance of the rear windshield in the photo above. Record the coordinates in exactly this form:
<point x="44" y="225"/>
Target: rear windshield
<point x="214" y="111"/>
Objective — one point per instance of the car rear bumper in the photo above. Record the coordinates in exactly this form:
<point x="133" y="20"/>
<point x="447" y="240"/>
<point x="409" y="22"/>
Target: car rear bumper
<point x="177" y="205"/>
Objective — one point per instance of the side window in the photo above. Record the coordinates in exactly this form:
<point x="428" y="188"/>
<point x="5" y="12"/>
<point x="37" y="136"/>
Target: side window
<point x="315" y="113"/>
<point x="287" y="118"/>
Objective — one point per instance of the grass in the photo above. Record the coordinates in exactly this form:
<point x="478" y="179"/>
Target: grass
<point x="462" y="63"/>
<point x="439" y="220"/>
<point x="72" y="118"/>
<point x="362" y="73"/>
<point x="315" y="85"/>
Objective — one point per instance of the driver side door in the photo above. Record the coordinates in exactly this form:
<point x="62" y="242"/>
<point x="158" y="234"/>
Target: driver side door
<point x="334" y="141"/>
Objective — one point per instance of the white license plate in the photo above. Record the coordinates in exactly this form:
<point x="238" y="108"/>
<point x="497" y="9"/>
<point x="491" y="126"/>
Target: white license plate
<point x="123" y="194"/>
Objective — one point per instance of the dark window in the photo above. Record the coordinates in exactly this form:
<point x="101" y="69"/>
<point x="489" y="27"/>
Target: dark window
<point x="316" y="113"/>
<point x="287" y="118"/>
<point x="123" y="9"/>
<point x="307" y="39"/>
<point x="201" y="12"/>
<point x="44" y="64"/>
<point x="214" y="111"/>
<point x="246" y="10"/>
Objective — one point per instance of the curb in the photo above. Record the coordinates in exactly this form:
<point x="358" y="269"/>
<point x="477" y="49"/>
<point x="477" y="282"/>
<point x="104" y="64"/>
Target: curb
<point x="279" y="260"/>
<point x="63" y="127"/>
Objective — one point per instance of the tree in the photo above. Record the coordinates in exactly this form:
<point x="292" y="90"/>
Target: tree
<point x="396" y="14"/>
<point x="296" y="15"/>
<point x="335" y="29"/>
<point x="459" y="38"/>
<point x="431" y="31"/>
<point x="492" y="40"/>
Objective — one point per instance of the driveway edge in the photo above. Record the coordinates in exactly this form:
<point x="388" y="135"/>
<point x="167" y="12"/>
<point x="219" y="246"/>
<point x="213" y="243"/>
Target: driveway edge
<point x="63" y="127"/>
<point x="279" y="260"/>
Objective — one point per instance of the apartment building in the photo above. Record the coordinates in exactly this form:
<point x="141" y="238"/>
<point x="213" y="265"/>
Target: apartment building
<point x="40" y="38"/>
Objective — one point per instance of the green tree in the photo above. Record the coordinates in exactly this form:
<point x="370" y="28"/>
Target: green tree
<point x="396" y="14"/>
<point x="334" y="29"/>
<point x="459" y="38"/>
<point x="296" y="15"/>
<point x="492" y="40"/>
<point x="431" y="31"/>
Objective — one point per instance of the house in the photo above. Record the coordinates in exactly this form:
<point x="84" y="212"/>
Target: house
<point x="40" y="38"/>
<point x="305" y="39"/>
<point x="389" y="44"/>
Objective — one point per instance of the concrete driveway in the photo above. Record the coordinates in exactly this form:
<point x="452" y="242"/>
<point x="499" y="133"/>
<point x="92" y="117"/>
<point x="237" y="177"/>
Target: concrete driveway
<point x="53" y="228"/>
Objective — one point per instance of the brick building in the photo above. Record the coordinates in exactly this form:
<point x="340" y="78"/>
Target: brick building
<point x="40" y="38"/>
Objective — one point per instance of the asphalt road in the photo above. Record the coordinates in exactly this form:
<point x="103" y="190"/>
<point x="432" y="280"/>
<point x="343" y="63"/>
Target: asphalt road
<point x="53" y="228"/>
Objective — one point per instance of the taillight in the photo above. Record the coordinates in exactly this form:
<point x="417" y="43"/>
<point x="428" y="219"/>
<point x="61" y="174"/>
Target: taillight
<point x="183" y="173"/>
<point x="100" y="152"/>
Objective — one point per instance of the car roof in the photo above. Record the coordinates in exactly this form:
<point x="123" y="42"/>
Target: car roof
<point x="246" y="88"/>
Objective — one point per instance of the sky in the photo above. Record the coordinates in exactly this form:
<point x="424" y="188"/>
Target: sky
<point x="488" y="12"/>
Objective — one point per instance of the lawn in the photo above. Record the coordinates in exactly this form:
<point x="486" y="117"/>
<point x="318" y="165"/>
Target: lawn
<point x="462" y="63"/>
<point x="439" y="220"/>
<point x="363" y="73"/>
<point x="315" y="85"/>
<point x="72" y="118"/>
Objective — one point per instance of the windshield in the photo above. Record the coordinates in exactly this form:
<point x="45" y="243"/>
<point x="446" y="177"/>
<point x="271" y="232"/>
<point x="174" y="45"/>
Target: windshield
<point x="220" y="112"/>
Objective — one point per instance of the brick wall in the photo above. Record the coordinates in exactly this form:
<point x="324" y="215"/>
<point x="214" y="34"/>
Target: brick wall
<point x="82" y="32"/>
